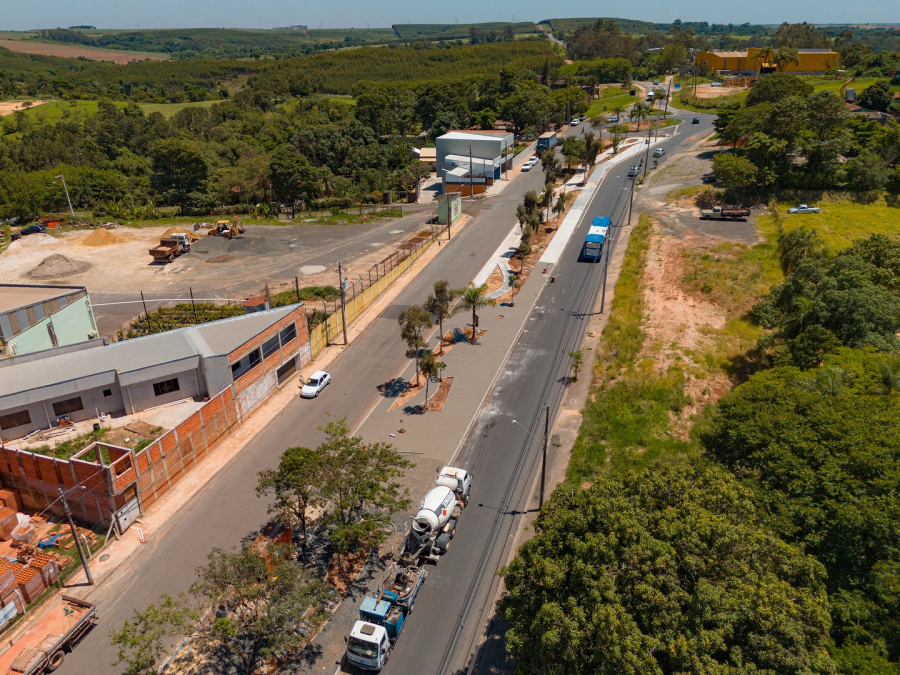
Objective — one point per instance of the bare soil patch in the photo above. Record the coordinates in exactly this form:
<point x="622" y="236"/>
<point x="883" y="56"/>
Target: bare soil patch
<point x="9" y="107"/>
<point x="343" y="570"/>
<point x="409" y="392"/>
<point x="76" y="51"/>
<point x="58" y="266"/>
<point x="716" y="92"/>
<point x="495" y="281"/>
<point x="438" y="399"/>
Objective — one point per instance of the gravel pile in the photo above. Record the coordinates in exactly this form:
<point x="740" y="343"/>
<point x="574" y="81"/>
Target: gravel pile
<point x="58" y="266"/>
<point x="216" y="246"/>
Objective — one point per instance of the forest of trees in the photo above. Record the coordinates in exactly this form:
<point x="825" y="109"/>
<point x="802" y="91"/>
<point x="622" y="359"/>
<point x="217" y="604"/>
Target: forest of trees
<point x="276" y="139"/>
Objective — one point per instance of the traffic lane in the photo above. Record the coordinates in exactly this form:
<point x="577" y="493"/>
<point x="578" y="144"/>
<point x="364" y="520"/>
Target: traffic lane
<point x="535" y="374"/>
<point x="226" y="509"/>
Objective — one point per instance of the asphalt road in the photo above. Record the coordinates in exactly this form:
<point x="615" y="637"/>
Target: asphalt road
<point x="227" y="508"/>
<point x="456" y="600"/>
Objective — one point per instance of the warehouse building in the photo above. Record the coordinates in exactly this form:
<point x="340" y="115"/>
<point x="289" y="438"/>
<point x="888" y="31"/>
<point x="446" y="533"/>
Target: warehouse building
<point x="35" y="318"/>
<point x="473" y="159"/>
<point x="753" y="61"/>
<point x="252" y="354"/>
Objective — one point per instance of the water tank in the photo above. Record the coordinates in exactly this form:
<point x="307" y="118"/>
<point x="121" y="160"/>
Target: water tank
<point x="850" y="96"/>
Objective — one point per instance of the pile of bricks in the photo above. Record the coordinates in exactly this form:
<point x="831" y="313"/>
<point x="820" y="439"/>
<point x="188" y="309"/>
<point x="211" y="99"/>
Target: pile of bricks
<point x="46" y="567"/>
<point x="31" y="584"/>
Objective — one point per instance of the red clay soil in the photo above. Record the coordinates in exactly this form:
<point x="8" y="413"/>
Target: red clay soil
<point x="343" y="570"/>
<point x="410" y="391"/>
<point x="437" y="400"/>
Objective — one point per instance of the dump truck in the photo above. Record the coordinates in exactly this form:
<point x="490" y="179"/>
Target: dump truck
<point x="171" y="247"/>
<point x="724" y="213"/>
<point x="382" y="616"/>
<point x="44" y="647"/>
<point x="224" y="228"/>
<point x="434" y="525"/>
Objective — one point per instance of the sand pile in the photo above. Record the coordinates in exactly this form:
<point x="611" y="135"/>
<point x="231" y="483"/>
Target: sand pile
<point x="177" y="230"/>
<point x="34" y="242"/>
<point x="102" y="237"/>
<point x="210" y="246"/>
<point x="58" y="266"/>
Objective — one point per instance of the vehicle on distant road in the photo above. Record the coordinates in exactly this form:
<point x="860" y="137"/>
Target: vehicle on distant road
<point x="696" y="120"/>
<point x="724" y="213"/>
<point x="546" y="141"/>
<point x="614" y="119"/>
<point x="656" y="82"/>
<point x="716" y="84"/>
<point x="575" y="122"/>
<point x="592" y="249"/>
<point x="529" y="165"/>
<point x="633" y="171"/>
<point x="315" y="383"/>
<point x="659" y="152"/>
<point x="33" y="229"/>
<point x="803" y="208"/>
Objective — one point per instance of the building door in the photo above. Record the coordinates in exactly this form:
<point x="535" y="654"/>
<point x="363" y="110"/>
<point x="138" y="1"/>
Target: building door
<point x="127" y="514"/>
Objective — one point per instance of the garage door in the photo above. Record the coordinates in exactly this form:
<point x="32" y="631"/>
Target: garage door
<point x="127" y="514"/>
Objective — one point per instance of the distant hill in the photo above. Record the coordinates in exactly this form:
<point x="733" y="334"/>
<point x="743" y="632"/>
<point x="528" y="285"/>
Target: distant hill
<point x="627" y="25"/>
<point x="454" y="31"/>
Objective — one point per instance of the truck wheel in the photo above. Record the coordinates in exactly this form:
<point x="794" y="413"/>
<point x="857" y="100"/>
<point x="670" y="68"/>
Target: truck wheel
<point x="55" y="661"/>
<point x="443" y="542"/>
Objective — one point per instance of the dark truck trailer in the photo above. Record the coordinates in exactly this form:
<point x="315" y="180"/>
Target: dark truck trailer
<point x="546" y="141"/>
<point x="724" y="213"/>
<point x="44" y="647"/>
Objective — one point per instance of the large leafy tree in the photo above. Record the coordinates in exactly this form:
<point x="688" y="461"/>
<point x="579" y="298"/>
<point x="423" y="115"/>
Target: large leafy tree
<point x="292" y="176"/>
<point x="295" y="484"/>
<point x="414" y="321"/>
<point x="667" y="571"/>
<point x="181" y="172"/>
<point x="260" y="598"/>
<point x="821" y="451"/>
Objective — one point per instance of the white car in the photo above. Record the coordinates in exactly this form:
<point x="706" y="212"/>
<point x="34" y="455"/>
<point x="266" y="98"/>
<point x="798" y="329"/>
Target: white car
<point x="315" y="383"/>
<point x="715" y="84"/>
<point x="529" y="165"/>
<point x="575" y="122"/>
<point x="803" y="208"/>
<point x="614" y="119"/>
<point x="659" y="152"/>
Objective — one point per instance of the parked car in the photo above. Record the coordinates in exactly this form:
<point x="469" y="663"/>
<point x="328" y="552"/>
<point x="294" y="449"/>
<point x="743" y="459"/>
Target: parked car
<point x="803" y="208"/>
<point x="33" y="229"/>
<point x="709" y="178"/>
<point x="614" y="119"/>
<point x="696" y="120"/>
<point x="656" y="82"/>
<point x="659" y="152"/>
<point x="315" y="383"/>
<point x="529" y="165"/>
<point x="575" y="122"/>
<point x="715" y="84"/>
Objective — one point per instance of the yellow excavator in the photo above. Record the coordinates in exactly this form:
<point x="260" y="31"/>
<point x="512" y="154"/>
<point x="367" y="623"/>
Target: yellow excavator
<point x="227" y="229"/>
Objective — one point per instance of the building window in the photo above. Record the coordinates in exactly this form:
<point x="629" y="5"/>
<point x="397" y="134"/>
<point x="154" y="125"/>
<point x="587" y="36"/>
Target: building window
<point x="15" y="419"/>
<point x="288" y="333"/>
<point x="166" y="387"/>
<point x="71" y="405"/>
<point x="107" y="393"/>
<point x="245" y="364"/>
<point x="270" y="346"/>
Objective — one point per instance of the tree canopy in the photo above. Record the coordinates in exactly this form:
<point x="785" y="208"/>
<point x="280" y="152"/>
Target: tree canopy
<point x="667" y="571"/>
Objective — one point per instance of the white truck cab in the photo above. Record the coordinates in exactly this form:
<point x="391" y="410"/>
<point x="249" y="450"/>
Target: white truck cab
<point x="368" y="646"/>
<point x="458" y="480"/>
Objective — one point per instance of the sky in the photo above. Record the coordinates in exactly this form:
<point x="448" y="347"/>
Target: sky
<point x="30" y="14"/>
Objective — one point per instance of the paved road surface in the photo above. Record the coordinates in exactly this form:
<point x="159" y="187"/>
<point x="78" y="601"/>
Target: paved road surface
<point x="227" y="508"/>
<point x="456" y="600"/>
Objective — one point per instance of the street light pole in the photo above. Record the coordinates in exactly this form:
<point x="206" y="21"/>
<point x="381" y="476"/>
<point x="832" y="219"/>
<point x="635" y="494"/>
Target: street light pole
<point x="71" y="210"/>
<point x="340" y="271"/>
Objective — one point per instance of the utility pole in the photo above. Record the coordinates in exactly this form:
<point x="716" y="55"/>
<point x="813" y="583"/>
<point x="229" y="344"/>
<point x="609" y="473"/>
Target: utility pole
<point x="544" y="451"/>
<point x="71" y="210"/>
<point x="87" y="570"/>
<point x="605" y="269"/>
<point x="631" y="198"/>
<point x="647" y="160"/>
<point x="343" y="302"/>
<point x="297" y="288"/>
<point x="471" y="175"/>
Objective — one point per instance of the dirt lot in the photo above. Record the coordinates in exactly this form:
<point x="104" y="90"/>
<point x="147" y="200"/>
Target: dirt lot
<point x="716" y="92"/>
<point x="9" y="107"/>
<point x="75" y="51"/>
<point x="116" y="273"/>
<point x="681" y="326"/>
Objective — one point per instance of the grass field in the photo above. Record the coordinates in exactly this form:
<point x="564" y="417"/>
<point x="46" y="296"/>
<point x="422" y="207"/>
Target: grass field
<point x="73" y="51"/>
<point x="54" y="111"/>
<point x="169" y="109"/>
<point x="840" y="223"/>
<point x="610" y="103"/>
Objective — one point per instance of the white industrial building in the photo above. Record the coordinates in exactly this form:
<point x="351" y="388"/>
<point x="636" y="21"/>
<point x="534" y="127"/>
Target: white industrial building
<point x="473" y="158"/>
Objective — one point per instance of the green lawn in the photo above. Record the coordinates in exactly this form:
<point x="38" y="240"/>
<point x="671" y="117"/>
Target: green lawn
<point x="169" y="109"/>
<point x="610" y="103"/>
<point x="840" y="223"/>
<point x="858" y="84"/>
<point x="54" y="111"/>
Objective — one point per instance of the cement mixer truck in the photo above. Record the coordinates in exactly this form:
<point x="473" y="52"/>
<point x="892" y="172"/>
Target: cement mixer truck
<point x="383" y="614"/>
<point x="434" y="524"/>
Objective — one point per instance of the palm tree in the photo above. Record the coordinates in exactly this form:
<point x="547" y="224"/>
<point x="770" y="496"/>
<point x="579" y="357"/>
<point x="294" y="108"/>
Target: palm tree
<point x="784" y="57"/>
<point x="560" y="206"/>
<point x="438" y="305"/>
<point x="474" y="298"/>
<point x="764" y="56"/>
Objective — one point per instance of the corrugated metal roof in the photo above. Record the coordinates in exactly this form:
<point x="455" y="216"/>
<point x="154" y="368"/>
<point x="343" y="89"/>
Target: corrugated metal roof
<point x="212" y="339"/>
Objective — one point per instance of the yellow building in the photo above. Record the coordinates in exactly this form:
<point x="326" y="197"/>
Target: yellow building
<point x="758" y="60"/>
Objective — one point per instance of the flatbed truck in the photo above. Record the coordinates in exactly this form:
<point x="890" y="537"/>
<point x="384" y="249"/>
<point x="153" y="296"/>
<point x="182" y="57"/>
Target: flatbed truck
<point x="724" y="213"/>
<point x="43" y="648"/>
